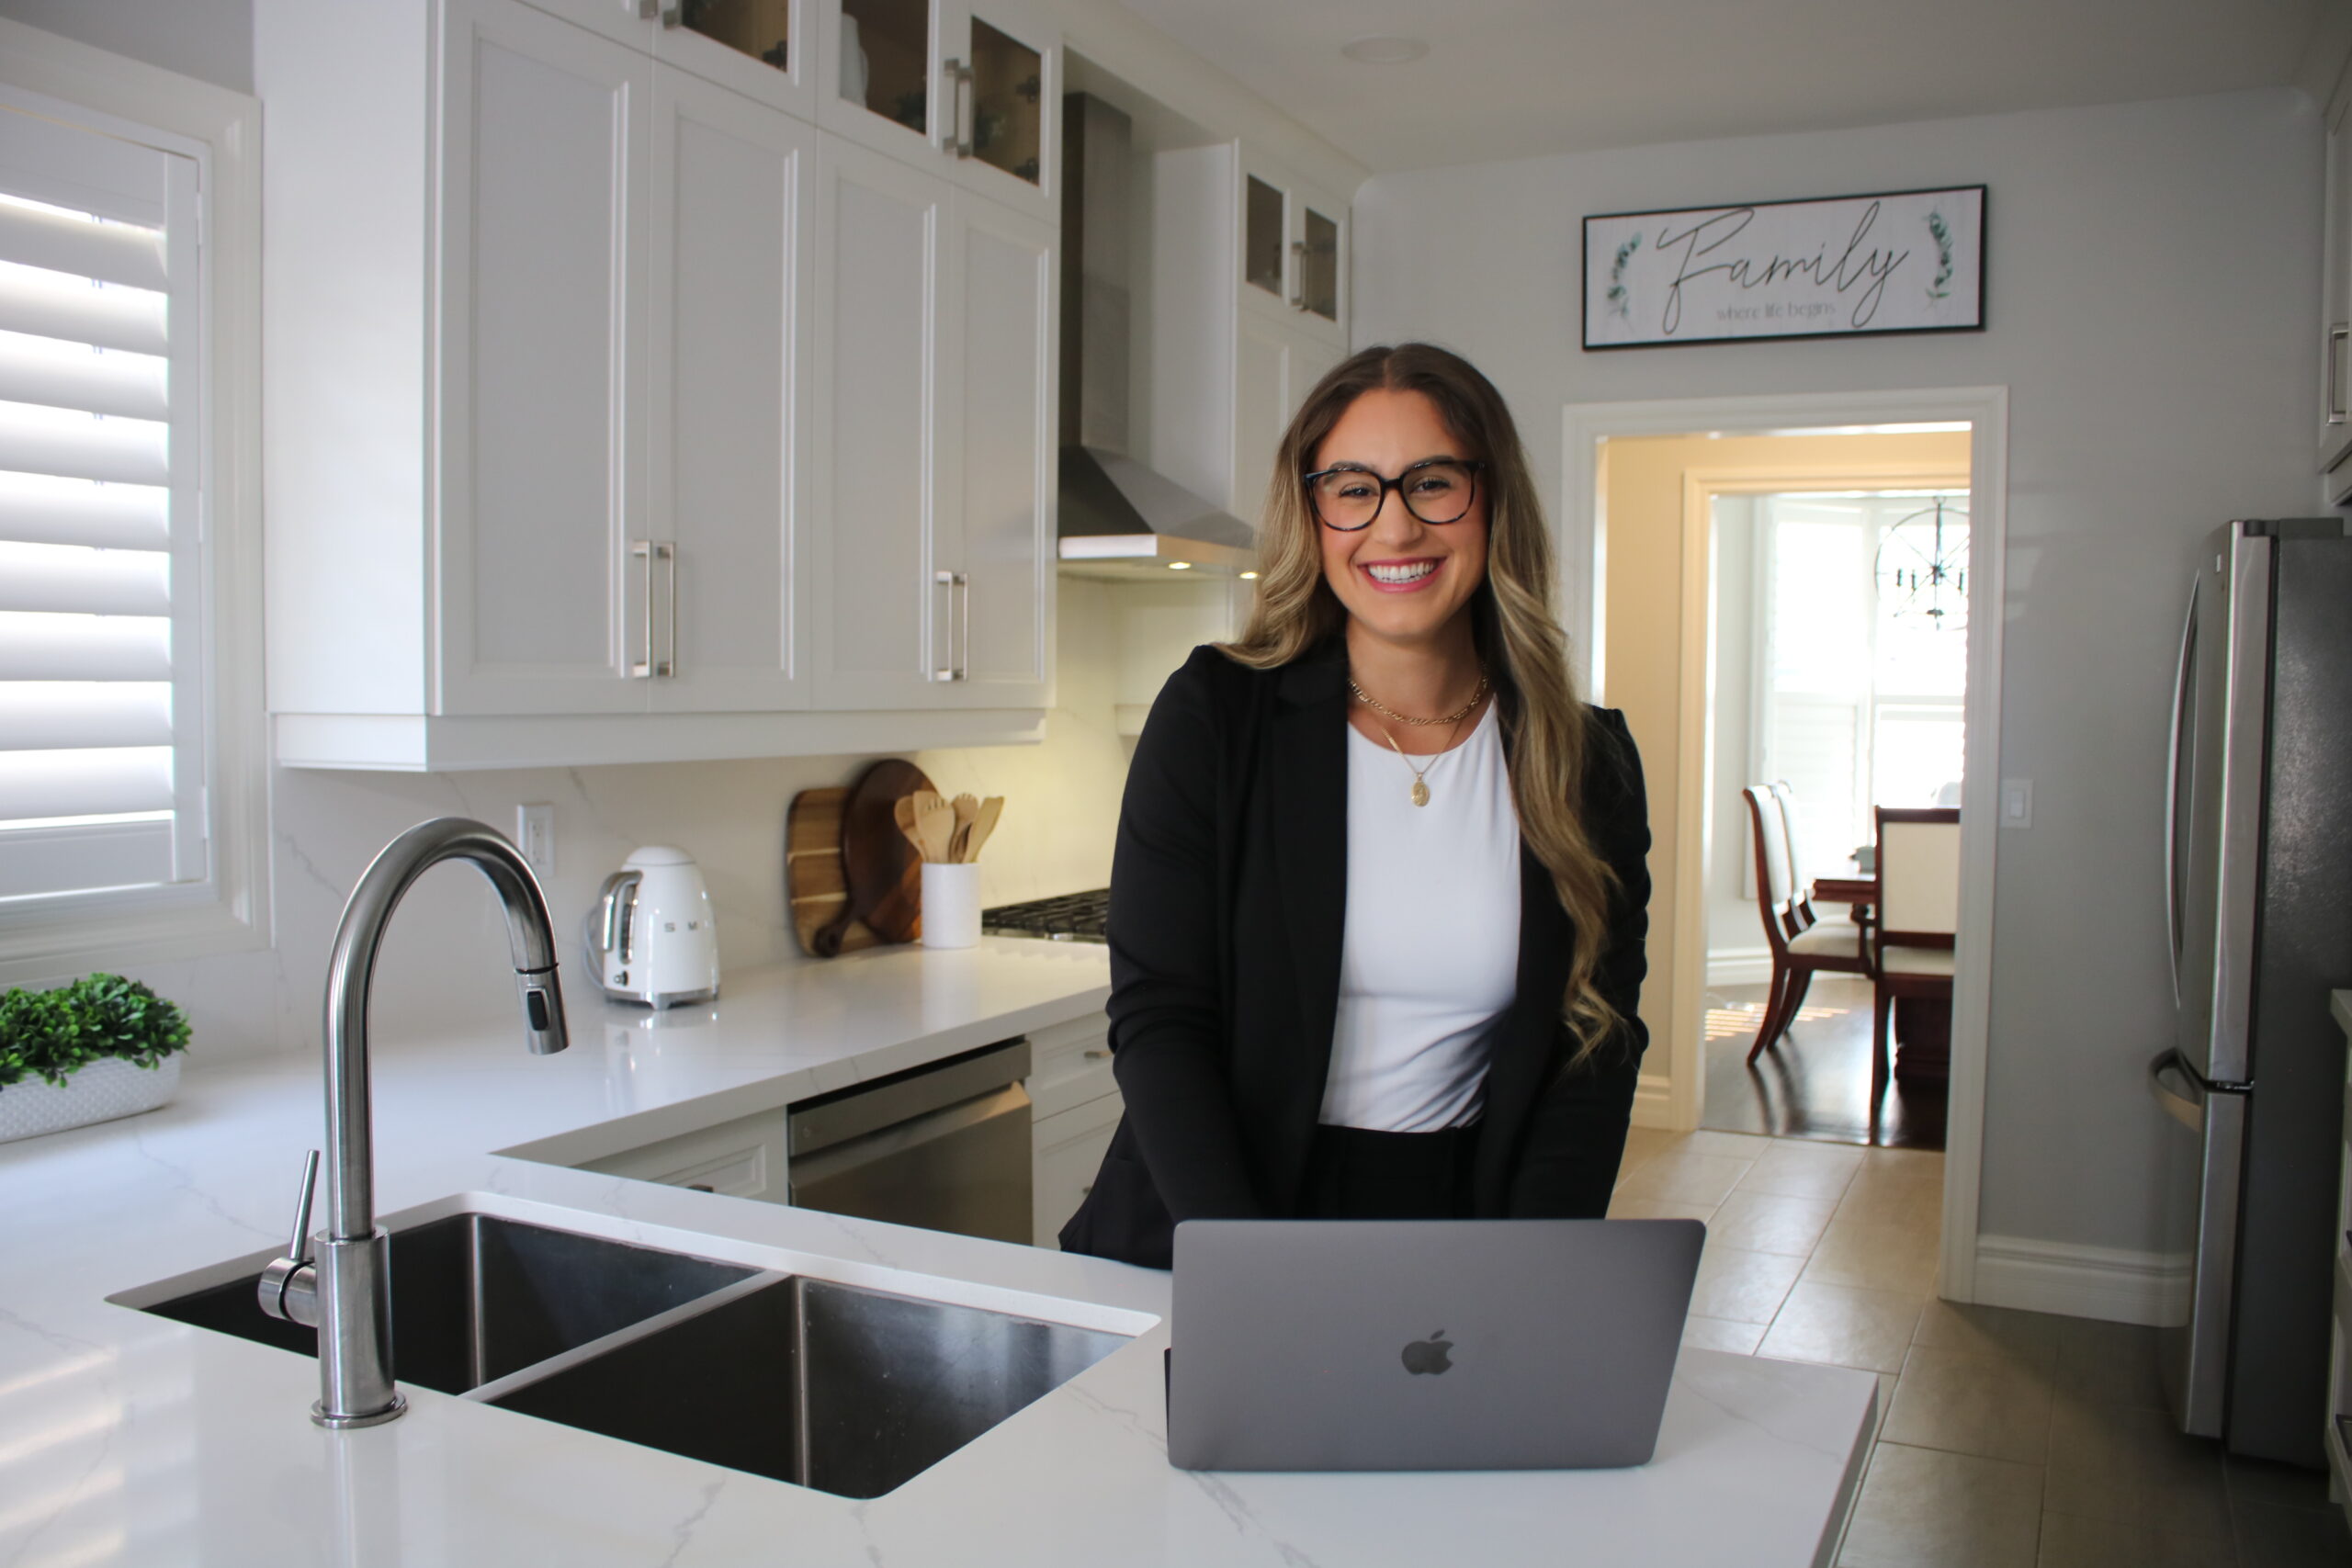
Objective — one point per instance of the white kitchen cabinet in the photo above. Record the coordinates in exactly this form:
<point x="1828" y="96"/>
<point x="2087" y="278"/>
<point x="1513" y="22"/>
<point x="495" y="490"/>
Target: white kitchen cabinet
<point x="1275" y="366"/>
<point x="1070" y="1151"/>
<point x="744" y="1158"/>
<point x="971" y="89"/>
<point x="1293" y="251"/>
<point x="2335" y="307"/>
<point x="935" y="418"/>
<point x="733" y="189"/>
<point x="1075" y="1105"/>
<point x="541" y="384"/>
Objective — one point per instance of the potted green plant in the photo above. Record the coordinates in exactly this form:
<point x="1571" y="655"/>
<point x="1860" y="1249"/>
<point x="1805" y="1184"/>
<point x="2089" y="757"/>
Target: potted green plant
<point x="91" y="1050"/>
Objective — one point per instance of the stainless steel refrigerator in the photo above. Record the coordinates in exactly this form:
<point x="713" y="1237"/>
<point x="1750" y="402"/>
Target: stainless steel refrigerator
<point x="2258" y="891"/>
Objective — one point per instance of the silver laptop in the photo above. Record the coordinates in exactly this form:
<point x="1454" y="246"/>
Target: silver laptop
<point x="1425" y="1344"/>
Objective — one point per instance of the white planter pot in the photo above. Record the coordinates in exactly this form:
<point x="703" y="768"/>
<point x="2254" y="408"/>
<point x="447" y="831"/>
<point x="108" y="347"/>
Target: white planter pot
<point x="99" y="1092"/>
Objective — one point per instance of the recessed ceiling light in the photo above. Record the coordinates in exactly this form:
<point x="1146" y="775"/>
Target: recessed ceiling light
<point x="1383" y="50"/>
<point x="1180" y="566"/>
<point x="1248" y="577"/>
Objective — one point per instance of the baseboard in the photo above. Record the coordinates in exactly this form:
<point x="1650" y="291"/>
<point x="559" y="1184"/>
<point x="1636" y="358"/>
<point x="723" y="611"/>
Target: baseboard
<point x="1653" y="1102"/>
<point x="2109" y="1283"/>
<point x="1739" y="967"/>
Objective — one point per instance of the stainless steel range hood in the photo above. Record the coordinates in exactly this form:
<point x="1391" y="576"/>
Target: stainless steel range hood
<point x="1118" y="517"/>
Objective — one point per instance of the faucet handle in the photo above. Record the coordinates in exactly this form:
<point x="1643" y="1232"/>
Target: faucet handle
<point x="288" y="1288"/>
<point x="299" y="1249"/>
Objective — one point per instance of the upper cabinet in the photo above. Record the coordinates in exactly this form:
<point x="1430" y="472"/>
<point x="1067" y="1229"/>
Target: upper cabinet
<point x="971" y="88"/>
<point x="583" y="363"/>
<point x="2335" y="311"/>
<point x="1294" y="261"/>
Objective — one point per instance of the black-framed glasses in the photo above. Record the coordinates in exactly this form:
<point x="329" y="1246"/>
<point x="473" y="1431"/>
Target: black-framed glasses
<point x="1438" y="491"/>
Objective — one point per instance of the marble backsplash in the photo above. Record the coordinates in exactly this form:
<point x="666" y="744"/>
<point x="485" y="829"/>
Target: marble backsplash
<point x="444" y="958"/>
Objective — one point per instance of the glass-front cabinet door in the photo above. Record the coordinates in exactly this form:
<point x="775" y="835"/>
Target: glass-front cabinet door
<point x="763" y="49"/>
<point x="1293" y="251"/>
<point x="970" y="86"/>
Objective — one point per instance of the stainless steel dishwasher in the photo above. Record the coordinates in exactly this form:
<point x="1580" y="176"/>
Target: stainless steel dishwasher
<point x="945" y="1145"/>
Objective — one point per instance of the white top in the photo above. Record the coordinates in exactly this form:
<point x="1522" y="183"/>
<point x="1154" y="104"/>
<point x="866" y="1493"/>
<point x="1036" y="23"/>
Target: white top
<point x="1430" y="953"/>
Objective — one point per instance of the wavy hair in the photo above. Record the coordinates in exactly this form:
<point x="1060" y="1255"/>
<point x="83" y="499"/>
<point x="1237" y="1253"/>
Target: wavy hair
<point x="1514" y="620"/>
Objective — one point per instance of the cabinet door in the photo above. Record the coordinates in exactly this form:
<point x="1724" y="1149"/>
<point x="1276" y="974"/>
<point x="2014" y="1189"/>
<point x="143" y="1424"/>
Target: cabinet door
<point x="725" y="451"/>
<point x="998" y="450"/>
<point x="2335" y="299"/>
<point x="1069" y="1151"/>
<point x="744" y="1158"/>
<point x="1274" y="368"/>
<point x="879" y="620"/>
<point x="543" y="147"/>
<point x="1293" y="251"/>
<point x="1005" y="91"/>
<point x="765" y="49"/>
<point x="878" y="78"/>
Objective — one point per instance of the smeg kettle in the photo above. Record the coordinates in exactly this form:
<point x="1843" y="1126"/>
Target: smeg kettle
<point x="651" y="936"/>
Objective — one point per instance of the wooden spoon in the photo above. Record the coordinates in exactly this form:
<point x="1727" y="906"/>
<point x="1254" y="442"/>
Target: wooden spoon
<point x="967" y="809"/>
<point x="903" y="811"/>
<point x="982" y="825"/>
<point x="937" y="823"/>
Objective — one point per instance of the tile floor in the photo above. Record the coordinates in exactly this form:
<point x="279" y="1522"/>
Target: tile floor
<point x="2009" y="1439"/>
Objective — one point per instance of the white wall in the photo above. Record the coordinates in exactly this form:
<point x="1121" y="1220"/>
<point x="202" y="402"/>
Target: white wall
<point x="2153" y="272"/>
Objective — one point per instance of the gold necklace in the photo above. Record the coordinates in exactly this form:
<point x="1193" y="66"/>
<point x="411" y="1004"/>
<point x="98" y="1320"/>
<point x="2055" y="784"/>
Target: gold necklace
<point x="1421" y="782"/>
<point x="1456" y="716"/>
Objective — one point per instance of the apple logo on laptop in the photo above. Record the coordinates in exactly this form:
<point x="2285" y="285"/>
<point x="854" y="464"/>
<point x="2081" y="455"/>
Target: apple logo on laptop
<point x="1429" y="1354"/>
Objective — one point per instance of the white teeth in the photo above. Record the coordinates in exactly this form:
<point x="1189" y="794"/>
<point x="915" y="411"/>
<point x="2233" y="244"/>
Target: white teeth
<point x="1411" y="572"/>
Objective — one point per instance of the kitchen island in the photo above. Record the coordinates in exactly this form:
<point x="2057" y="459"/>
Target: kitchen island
<point x="128" y="1439"/>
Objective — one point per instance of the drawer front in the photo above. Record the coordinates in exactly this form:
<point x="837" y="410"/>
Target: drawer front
<point x="1069" y="1064"/>
<point x="743" y="1158"/>
<point x="1069" y="1149"/>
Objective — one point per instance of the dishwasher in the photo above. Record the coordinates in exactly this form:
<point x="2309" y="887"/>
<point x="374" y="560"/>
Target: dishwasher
<point x="945" y="1145"/>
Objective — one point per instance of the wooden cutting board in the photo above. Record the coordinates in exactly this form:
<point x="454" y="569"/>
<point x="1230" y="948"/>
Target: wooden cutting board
<point x="850" y="879"/>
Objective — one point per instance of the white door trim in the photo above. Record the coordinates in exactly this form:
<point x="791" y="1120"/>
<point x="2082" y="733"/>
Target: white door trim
<point x="1583" y="537"/>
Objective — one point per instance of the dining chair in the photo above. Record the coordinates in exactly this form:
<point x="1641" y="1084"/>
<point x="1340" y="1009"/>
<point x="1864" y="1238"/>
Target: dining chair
<point x="1918" y="915"/>
<point x="1801" y="868"/>
<point x="1797" y="954"/>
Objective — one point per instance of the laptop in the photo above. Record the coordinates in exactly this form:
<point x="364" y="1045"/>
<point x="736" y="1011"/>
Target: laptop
<point x="1339" y="1345"/>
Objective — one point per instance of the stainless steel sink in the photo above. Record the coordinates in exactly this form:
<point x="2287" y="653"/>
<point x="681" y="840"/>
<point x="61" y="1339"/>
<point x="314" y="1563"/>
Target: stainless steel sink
<point x="846" y="1390"/>
<point x="476" y="1297"/>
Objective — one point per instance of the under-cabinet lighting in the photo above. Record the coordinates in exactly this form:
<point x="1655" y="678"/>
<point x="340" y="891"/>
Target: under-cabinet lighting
<point x="1180" y="566"/>
<point x="1248" y="577"/>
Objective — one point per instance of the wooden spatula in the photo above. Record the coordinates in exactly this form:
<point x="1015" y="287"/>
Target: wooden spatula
<point x="967" y="809"/>
<point x="982" y="825"/>
<point x="936" y="822"/>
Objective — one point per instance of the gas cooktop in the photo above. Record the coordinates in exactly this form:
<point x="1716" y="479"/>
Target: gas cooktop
<point x="1071" y="916"/>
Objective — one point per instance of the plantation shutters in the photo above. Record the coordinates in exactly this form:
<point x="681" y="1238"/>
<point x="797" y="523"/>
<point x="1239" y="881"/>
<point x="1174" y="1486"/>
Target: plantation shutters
<point x="102" y="705"/>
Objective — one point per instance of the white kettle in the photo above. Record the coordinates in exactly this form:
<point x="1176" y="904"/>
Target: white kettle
<point x="651" y="936"/>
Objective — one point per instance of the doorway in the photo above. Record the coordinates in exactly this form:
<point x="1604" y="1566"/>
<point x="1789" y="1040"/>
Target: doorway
<point x="1646" y="620"/>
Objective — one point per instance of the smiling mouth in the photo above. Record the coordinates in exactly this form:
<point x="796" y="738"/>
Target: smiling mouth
<point x="1399" y="572"/>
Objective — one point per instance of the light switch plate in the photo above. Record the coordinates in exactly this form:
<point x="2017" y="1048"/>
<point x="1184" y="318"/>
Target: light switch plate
<point x="535" y="836"/>
<point x="2016" y="803"/>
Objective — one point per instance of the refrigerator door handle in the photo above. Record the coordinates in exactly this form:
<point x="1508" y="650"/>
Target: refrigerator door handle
<point x="2180" y="700"/>
<point x="2184" y="1105"/>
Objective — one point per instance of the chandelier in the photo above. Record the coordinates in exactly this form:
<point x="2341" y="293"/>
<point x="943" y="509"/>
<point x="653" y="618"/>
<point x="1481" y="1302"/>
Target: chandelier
<point x="1922" y="566"/>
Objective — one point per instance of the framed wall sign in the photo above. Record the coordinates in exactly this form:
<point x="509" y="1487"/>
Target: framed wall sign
<point x="1846" y="266"/>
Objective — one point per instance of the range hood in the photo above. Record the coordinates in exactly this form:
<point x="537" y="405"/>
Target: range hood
<point x="1118" y="517"/>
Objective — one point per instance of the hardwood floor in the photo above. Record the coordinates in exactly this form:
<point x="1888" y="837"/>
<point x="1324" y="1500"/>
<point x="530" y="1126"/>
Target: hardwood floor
<point x="1815" y="1083"/>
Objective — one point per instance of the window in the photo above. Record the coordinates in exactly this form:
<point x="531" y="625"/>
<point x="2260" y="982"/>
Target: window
<point x="129" y="786"/>
<point x="1866" y="665"/>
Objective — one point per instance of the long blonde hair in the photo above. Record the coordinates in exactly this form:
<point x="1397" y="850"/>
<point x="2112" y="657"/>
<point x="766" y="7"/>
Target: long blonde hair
<point x="1514" y="620"/>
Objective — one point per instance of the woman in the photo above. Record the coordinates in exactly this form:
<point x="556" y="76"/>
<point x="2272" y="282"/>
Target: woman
<point x="1379" y="895"/>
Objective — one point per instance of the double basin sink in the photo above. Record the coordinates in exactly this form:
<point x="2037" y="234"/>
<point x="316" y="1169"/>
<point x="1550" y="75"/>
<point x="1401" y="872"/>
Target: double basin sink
<point x="832" y="1386"/>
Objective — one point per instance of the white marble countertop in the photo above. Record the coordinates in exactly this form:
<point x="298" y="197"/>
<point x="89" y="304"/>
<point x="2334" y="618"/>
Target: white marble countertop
<point x="128" y="1439"/>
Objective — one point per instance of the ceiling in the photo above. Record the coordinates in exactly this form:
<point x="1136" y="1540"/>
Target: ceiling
<point x="1516" y="78"/>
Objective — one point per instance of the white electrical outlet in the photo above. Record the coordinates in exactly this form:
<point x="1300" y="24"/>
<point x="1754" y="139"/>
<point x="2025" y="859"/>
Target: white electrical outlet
<point x="2016" y="803"/>
<point x="535" y="836"/>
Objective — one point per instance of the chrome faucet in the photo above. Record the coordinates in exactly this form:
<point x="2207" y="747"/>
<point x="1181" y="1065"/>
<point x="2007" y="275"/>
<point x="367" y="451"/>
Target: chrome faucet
<point x="348" y="1294"/>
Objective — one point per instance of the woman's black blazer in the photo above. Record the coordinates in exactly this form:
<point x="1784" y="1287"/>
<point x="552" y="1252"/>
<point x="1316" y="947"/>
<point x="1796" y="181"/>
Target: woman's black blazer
<point x="1227" y="891"/>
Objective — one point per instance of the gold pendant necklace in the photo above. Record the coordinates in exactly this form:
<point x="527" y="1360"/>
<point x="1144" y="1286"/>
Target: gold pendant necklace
<point x="1420" y="780"/>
